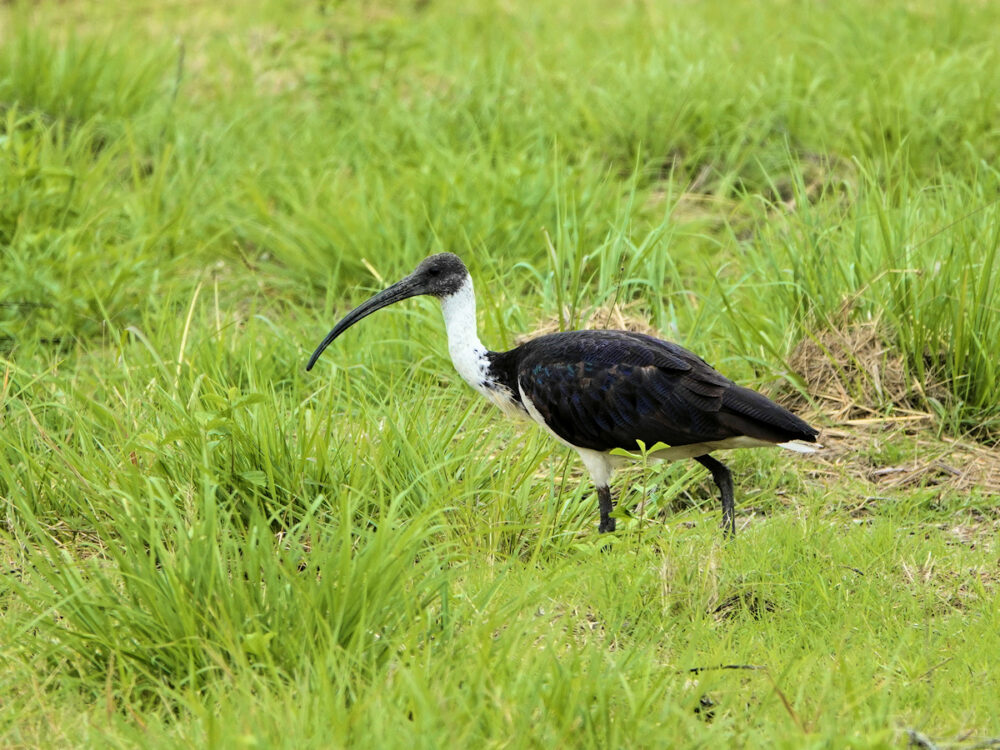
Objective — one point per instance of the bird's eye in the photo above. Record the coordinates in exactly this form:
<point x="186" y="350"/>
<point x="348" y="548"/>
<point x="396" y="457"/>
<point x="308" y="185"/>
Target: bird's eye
<point x="433" y="272"/>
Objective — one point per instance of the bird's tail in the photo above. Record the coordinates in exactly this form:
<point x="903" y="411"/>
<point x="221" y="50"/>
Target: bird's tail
<point x="800" y="447"/>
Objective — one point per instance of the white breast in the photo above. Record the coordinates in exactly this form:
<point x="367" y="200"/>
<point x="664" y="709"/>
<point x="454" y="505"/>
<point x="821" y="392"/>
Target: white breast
<point x="504" y="399"/>
<point x="468" y="354"/>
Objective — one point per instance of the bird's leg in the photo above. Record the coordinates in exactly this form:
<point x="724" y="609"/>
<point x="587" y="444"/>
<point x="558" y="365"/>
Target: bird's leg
<point x="604" y="499"/>
<point x="724" y="481"/>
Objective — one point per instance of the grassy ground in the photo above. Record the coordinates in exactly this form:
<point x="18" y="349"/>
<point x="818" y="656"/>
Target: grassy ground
<point x="203" y="545"/>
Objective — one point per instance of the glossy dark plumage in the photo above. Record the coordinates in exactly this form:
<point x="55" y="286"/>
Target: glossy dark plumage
<point x="607" y="389"/>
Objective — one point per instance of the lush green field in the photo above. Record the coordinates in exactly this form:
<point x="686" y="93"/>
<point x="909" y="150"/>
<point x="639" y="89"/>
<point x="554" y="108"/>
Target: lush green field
<point x="204" y="545"/>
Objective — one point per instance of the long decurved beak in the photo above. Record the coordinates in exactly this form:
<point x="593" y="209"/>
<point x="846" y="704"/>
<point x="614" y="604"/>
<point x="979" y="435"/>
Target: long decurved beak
<point x="401" y="290"/>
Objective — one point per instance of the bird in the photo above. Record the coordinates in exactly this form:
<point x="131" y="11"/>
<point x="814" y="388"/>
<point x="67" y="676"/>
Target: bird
<point x="600" y="390"/>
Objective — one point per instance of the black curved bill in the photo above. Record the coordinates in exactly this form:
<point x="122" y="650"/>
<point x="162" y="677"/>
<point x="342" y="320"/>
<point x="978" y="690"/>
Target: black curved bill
<point x="399" y="291"/>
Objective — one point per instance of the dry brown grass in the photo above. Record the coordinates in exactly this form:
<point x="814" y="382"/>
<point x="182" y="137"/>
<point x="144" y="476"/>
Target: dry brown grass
<point x="857" y="384"/>
<point x="609" y="317"/>
<point x="853" y="371"/>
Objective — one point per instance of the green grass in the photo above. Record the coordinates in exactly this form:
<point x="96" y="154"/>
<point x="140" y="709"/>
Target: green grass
<point x="204" y="545"/>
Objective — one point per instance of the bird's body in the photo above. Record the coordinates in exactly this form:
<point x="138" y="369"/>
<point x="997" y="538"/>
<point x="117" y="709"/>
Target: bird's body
<point x="597" y="391"/>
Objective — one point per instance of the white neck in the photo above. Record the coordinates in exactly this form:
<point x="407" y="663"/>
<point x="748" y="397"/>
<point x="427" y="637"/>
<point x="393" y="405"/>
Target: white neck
<point x="467" y="352"/>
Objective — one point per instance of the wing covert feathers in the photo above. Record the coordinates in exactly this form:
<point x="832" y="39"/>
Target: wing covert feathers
<point x="606" y="389"/>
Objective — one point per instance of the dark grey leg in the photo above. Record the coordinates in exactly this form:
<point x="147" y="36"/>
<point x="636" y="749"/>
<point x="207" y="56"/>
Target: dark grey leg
<point x="724" y="481"/>
<point x="604" y="499"/>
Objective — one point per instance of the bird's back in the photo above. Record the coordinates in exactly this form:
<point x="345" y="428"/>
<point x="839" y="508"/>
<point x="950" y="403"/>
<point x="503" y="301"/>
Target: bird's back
<point x="607" y="389"/>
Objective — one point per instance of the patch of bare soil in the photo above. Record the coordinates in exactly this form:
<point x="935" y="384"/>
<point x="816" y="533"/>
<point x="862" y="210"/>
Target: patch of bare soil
<point x="941" y="462"/>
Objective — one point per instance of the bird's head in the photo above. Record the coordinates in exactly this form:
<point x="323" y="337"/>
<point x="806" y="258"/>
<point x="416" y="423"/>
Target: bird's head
<point x="440" y="276"/>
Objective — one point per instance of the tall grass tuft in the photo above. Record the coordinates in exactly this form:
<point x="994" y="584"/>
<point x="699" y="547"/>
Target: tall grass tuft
<point x="180" y="592"/>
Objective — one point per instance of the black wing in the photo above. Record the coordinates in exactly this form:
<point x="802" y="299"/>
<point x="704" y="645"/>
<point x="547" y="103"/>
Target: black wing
<point x="608" y="389"/>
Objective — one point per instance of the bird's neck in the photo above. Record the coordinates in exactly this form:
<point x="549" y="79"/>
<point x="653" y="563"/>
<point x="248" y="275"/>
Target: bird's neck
<point x="467" y="352"/>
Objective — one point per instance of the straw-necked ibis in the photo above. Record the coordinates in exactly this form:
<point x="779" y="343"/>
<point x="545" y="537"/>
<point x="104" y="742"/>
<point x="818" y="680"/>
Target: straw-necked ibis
<point x="597" y="391"/>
